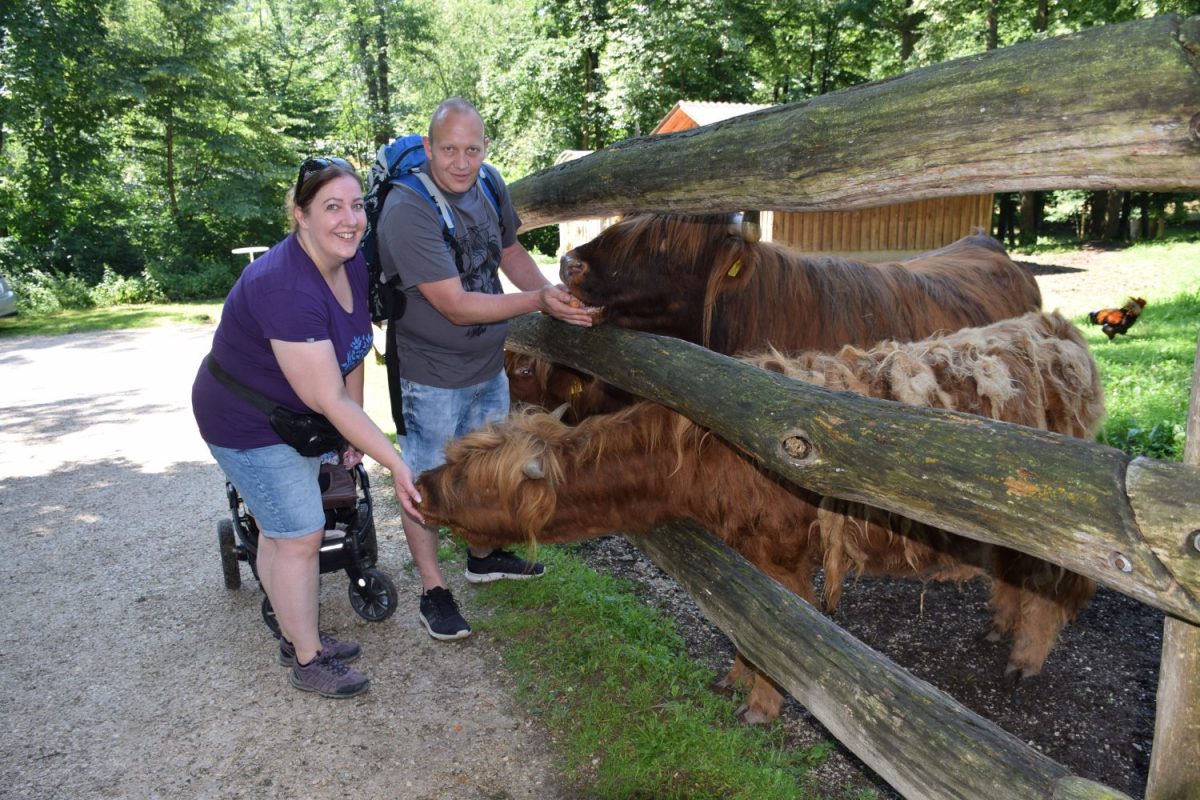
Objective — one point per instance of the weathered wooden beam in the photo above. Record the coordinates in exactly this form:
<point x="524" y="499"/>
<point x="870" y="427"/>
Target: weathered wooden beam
<point x="1055" y="497"/>
<point x="1114" y="107"/>
<point x="918" y="739"/>
<point x="1175" y="758"/>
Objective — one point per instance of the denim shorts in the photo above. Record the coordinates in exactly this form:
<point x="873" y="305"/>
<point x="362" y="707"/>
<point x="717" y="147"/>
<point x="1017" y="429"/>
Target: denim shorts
<point x="279" y="487"/>
<point x="435" y="416"/>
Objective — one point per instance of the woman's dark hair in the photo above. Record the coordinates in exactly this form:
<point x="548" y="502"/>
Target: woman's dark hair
<point x="315" y="173"/>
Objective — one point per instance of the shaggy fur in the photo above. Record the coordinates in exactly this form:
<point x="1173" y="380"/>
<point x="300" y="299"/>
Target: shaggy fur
<point x="689" y="277"/>
<point x="645" y="465"/>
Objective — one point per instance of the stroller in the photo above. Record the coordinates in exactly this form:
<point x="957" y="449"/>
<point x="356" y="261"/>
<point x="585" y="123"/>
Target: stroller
<point x="350" y="543"/>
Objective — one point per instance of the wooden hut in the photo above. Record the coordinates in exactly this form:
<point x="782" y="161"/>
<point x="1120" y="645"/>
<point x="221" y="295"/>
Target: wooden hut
<point x="873" y="234"/>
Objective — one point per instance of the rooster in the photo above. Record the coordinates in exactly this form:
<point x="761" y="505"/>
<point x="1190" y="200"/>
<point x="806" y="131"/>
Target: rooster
<point x="1118" y="320"/>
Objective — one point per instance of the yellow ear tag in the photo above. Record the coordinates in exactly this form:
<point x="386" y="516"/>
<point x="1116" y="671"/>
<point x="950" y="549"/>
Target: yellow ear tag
<point x="576" y="388"/>
<point x="735" y="269"/>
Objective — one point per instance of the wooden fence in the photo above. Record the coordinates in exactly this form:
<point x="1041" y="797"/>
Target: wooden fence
<point x="1055" y="114"/>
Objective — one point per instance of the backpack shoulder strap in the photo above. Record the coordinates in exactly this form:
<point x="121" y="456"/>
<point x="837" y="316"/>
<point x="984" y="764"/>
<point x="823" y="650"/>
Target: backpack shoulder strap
<point x="438" y="200"/>
<point x="487" y="179"/>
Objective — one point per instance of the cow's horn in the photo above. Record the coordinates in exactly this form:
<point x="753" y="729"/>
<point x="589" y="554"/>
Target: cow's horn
<point x="559" y="412"/>
<point x="751" y="228"/>
<point x="735" y="224"/>
<point x="533" y="470"/>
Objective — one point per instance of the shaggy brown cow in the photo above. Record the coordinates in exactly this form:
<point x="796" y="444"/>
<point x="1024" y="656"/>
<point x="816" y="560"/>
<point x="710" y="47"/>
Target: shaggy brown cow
<point x="693" y="278"/>
<point x="533" y="478"/>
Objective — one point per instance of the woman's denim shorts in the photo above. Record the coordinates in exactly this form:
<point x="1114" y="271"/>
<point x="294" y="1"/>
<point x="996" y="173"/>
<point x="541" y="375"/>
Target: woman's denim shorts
<point x="434" y="416"/>
<point x="279" y="487"/>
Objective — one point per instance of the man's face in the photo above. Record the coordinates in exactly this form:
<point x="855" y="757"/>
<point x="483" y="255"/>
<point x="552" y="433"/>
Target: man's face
<point x="456" y="152"/>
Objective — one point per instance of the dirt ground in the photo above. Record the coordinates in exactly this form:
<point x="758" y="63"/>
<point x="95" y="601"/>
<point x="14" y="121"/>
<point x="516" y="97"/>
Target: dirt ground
<point x="127" y="670"/>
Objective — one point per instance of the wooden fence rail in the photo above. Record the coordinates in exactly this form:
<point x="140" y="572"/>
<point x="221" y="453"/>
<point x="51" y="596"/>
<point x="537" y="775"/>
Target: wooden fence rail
<point x="1061" y="499"/>
<point x="1114" y="107"/>
<point x="917" y="738"/>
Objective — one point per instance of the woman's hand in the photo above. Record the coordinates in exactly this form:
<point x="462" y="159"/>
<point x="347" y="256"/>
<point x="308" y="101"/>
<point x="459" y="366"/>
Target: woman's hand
<point x="406" y="492"/>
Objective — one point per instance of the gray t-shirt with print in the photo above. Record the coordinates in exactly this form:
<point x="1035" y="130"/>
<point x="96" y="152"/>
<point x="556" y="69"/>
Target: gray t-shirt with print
<point x="431" y="349"/>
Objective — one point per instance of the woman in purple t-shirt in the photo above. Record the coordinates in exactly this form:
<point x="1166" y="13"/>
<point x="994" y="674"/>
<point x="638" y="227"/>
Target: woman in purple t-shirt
<point x="295" y="329"/>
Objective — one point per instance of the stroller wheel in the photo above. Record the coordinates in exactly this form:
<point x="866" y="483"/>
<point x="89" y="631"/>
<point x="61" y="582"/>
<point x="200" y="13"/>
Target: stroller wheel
<point x="373" y="597"/>
<point x="229" y="554"/>
<point x="268" y="615"/>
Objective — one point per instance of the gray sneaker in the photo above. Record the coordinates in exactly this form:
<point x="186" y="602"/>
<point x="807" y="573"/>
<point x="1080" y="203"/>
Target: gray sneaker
<point x="345" y="651"/>
<point x="328" y="677"/>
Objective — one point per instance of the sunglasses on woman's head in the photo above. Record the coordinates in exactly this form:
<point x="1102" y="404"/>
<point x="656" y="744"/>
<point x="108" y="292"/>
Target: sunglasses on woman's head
<point x="317" y="164"/>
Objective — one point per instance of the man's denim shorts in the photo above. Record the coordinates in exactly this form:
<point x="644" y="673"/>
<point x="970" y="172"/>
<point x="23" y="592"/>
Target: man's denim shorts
<point x="279" y="487"/>
<point x="435" y="416"/>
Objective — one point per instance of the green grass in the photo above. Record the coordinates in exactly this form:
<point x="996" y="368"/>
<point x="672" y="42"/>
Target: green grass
<point x="109" y="318"/>
<point x="1147" y="376"/>
<point x="633" y="714"/>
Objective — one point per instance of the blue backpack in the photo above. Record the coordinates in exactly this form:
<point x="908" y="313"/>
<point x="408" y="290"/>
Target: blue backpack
<point x="400" y="161"/>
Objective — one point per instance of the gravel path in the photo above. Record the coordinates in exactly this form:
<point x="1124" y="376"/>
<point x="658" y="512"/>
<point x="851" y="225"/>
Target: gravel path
<point x="127" y="670"/>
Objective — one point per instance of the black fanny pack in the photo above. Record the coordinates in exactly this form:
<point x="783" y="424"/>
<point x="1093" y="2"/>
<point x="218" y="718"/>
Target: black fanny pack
<point x="311" y="435"/>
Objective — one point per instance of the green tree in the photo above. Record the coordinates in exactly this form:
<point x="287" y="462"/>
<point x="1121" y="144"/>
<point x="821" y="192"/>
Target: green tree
<point x="57" y="200"/>
<point x="207" y="161"/>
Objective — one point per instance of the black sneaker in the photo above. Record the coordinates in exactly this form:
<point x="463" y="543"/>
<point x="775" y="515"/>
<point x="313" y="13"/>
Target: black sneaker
<point x="439" y="614"/>
<point x="501" y="565"/>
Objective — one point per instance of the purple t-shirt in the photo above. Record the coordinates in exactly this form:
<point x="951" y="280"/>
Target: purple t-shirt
<point x="283" y="296"/>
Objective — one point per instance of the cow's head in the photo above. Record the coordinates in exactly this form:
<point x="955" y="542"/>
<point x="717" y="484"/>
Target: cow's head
<point x="497" y="486"/>
<point x="659" y="273"/>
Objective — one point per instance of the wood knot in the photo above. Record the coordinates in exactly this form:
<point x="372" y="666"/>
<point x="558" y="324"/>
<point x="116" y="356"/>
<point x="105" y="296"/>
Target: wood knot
<point x="1120" y="562"/>
<point x="797" y="446"/>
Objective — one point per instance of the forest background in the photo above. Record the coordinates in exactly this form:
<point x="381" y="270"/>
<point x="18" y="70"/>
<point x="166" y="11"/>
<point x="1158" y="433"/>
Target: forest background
<point x="142" y="140"/>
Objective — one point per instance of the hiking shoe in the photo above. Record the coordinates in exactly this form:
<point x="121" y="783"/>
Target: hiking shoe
<point x="499" y="565"/>
<point x="345" y="651"/>
<point x="328" y="677"/>
<point x="440" y="615"/>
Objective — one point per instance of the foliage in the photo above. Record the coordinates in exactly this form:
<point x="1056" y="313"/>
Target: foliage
<point x="157" y="135"/>
<point x="118" y="290"/>
<point x="610" y="676"/>
<point x="46" y="291"/>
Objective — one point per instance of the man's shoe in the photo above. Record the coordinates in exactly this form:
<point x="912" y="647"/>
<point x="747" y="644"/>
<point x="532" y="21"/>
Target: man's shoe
<point x="440" y="615"/>
<point x="345" y="651"/>
<point x="328" y="677"/>
<point x="500" y="565"/>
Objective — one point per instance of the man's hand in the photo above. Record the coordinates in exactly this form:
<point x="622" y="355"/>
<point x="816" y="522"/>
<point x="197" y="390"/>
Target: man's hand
<point x="562" y="305"/>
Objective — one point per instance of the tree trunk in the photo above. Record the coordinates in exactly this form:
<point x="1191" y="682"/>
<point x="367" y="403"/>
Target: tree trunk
<point x="993" y="24"/>
<point x="382" y="112"/>
<point x="1059" y="113"/>
<point x="1112" y="216"/>
<point x="1030" y="217"/>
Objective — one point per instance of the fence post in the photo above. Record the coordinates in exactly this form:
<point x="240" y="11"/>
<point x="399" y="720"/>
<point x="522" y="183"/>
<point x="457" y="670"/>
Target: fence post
<point x="1175" y="758"/>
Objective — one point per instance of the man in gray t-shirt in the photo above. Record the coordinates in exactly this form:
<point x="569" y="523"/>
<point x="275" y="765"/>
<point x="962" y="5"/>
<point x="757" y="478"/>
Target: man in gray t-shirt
<point x="450" y="341"/>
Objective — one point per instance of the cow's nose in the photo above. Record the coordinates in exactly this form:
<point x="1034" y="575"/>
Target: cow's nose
<point x="570" y="268"/>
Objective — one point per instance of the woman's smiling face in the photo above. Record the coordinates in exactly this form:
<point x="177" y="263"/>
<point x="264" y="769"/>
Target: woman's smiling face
<point x="333" y="224"/>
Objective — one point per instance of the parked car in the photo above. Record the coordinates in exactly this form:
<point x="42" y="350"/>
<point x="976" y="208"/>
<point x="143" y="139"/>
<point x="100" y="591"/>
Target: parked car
<point x="8" y="302"/>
